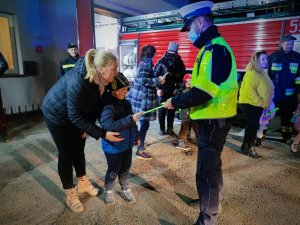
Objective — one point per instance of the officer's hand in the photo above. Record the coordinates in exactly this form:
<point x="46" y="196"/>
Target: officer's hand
<point x="168" y="104"/>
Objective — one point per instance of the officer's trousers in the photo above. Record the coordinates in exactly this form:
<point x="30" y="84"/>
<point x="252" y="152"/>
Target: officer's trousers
<point x="209" y="180"/>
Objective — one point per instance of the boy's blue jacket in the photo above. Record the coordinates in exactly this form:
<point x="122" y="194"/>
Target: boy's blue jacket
<point x="117" y="116"/>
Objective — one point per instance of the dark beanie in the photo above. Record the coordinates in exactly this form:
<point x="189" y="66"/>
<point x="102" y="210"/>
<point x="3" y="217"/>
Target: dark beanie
<point x="119" y="82"/>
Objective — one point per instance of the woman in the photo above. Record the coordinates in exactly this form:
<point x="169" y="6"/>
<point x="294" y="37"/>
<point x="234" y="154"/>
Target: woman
<point x="255" y="95"/>
<point x="70" y="109"/>
<point x="142" y="95"/>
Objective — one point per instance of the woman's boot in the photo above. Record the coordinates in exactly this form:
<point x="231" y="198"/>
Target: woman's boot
<point x="251" y="152"/>
<point x="73" y="202"/>
<point x="258" y="142"/>
<point x="84" y="185"/>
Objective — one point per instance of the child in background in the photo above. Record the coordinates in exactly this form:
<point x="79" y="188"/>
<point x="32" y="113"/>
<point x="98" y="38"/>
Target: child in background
<point x="117" y="116"/>
<point x="296" y="121"/>
<point x="264" y="122"/>
<point x="186" y="123"/>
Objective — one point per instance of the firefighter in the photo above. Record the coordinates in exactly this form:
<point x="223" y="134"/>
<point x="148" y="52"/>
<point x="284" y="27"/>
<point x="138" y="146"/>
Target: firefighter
<point x="284" y="72"/>
<point x="212" y="101"/>
<point x="69" y="63"/>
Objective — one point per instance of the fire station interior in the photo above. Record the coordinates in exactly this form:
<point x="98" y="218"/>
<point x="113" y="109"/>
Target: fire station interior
<point x="261" y="191"/>
<point x="224" y="12"/>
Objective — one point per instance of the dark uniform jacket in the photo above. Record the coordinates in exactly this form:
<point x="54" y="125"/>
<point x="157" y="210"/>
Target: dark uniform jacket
<point x="284" y="71"/>
<point x="66" y="65"/>
<point x="75" y="102"/>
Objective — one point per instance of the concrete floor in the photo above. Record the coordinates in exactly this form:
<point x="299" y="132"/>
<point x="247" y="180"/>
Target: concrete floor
<point x="256" y="192"/>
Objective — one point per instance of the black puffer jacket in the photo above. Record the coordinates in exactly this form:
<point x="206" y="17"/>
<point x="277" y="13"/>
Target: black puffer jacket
<point x="73" y="101"/>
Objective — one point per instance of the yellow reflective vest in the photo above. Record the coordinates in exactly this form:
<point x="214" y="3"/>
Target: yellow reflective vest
<point x="224" y="96"/>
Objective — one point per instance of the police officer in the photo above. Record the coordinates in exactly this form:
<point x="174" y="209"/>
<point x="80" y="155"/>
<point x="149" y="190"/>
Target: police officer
<point x="69" y="62"/>
<point x="212" y="101"/>
<point x="285" y="73"/>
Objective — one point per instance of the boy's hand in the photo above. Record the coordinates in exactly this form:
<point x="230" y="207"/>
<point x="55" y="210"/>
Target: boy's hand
<point x="136" y="116"/>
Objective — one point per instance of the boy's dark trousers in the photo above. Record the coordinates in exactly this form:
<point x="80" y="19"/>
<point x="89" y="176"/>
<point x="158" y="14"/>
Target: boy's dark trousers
<point x="118" y="166"/>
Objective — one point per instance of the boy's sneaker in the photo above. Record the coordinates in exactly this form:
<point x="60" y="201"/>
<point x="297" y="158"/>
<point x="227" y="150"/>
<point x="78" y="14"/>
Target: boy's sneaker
<point x="127" y="195"/>
<point x="143" y="155"/>
<point x="109" y="197"/>
<point x="181" y="145"/>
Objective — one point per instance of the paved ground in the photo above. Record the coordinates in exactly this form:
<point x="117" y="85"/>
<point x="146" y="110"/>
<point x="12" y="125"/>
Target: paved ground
<point x="256" y="192"/>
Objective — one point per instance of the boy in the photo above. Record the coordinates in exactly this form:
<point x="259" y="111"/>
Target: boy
<point x="117" y="116"/>
<point x="186" y="123"/>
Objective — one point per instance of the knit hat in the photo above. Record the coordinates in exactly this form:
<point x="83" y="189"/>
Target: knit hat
<point x="173" y="47"/>
<point x="119" y="82"/>
<point x="186" y="77"/>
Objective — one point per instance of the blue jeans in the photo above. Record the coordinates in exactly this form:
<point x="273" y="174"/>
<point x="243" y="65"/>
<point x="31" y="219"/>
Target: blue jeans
<point x="209" y="180"/>
<point x="143" y="131"/>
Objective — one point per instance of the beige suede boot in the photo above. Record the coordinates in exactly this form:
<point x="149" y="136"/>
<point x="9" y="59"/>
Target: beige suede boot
<point x="73" y="202"/>
<point x="84" y="185"/>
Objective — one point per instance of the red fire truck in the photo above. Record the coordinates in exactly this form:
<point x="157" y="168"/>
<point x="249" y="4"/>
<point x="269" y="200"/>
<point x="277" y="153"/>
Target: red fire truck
<point x="244" y="37"/>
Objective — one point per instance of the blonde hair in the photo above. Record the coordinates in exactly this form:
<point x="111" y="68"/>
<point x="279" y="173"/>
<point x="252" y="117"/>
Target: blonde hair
<point x="254" y="63"/>
<point x="94" y="59"/>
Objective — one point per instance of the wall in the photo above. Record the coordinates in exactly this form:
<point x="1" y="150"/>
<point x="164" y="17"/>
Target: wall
<point x="51" y="24"/>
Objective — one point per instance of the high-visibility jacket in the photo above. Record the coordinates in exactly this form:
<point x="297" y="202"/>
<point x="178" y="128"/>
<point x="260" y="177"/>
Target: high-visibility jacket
<point x="224" y="96"/>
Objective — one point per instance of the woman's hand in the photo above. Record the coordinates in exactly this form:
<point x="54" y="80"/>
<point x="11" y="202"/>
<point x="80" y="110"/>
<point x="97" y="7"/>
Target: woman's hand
<point x="138" y="142"/>
<point x="136" y="116"/>
<point x="162" y="79"/>
<point x="159" y="92"/>
<point x="83" y="136"/>
<point x="113" y="136"/>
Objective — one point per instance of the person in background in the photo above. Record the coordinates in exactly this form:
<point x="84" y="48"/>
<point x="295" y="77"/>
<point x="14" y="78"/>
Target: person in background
<point x="117" y="116"/>
<point x="264" y="122"/>
<point x="256" y="92"/>
<point x="296" y="121"/>
<point x="142" y="95"/>
<point x="3" y="127"/>
<point x="172" y="64"/>
<point x="284" y="71"/>
<point x="186" y="123"/>
<point x="212" y="100"/>
<point x="70" y="110"/>
<point x="69" y="63"/>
